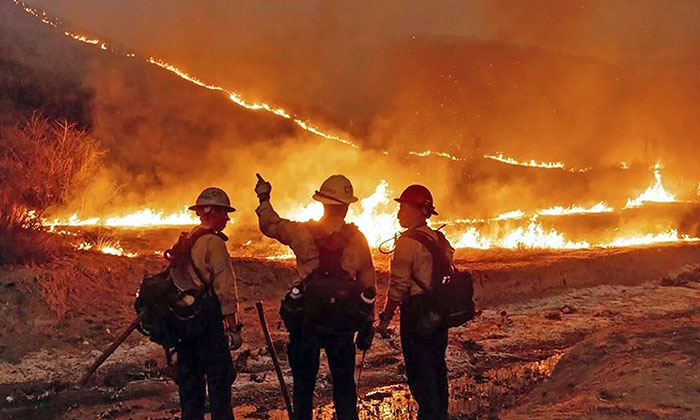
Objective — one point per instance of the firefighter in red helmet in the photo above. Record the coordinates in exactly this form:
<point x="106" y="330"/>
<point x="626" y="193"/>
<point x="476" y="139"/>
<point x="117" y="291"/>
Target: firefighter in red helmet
<point x="423" y="331"/>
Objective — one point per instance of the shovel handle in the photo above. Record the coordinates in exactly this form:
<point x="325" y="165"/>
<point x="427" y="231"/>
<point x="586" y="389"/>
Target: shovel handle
<point x="109" y="350"/>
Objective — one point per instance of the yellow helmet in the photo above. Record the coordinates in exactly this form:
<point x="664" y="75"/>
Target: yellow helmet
<point x="336" y="190"/>
<point x="213" y="197"/>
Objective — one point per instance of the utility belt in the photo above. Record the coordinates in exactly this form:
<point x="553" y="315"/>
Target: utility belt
<point x="326" y="304"/>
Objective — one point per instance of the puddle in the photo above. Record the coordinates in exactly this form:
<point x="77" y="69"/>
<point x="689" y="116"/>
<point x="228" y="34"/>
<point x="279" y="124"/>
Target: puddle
<point x="497" y="388"/>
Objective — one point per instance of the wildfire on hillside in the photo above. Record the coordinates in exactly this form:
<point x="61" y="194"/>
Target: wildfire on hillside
<point x="375" y="215"/>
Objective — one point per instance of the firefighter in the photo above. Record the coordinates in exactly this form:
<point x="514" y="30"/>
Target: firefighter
<point x="207" y="355"/>
<point x="327" y="252"/>
<point x="423" y="332"/>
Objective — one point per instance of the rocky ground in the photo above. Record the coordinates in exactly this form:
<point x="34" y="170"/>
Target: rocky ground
<point x="584" y="334"/>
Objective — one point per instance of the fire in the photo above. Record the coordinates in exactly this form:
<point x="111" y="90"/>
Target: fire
<point x="106" y="247"/>
<point x="655" y="193"/>
<point x="82" y="38"/>
<point x="471" y="239"/>
<point x="440" y="154"/>
<point x="601" y="207"/>
<point x="511" y="215"/>
<point x="532" y="163"/>
<point x="535" y="236"/>
<point x="142" y="218"/>
<point x="255" y="106"/>
<point x="652" y="238"/>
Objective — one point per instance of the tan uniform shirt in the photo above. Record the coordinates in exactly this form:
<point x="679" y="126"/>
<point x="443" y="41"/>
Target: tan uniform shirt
<point x="412" y="262"/>
<point x="211" y="257"/>
<point x="356" y="259"/>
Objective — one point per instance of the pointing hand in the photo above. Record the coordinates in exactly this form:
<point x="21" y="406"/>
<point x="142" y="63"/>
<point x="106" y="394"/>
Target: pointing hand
<point x="262" y="189"/>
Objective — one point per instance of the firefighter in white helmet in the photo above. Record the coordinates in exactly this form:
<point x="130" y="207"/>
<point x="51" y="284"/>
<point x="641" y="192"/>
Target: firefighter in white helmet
<point x="207" y="354"/>
<point x="333" y="297"/>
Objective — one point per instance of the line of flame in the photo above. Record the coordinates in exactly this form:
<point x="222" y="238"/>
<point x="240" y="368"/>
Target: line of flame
<point x="601" y="207"/>
<point x="141" y="218"/>
<point x="236" y="98"/>
<point x="110" y="248"/>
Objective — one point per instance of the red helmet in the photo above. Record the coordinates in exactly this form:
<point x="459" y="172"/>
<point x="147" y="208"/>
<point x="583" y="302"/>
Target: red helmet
<point x="420" y="196"/>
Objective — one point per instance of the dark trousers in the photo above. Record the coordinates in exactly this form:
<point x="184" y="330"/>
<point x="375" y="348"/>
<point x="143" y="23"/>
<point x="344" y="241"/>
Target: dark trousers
<point x="206" y="357"/>
<point x="304" y="359"/>
<point x="426" y="369"/>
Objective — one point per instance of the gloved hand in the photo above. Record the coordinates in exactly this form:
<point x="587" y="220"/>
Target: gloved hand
<point x="365" y="336"/>
<point x="262" y="189"/>
<point x="233" y="332"/>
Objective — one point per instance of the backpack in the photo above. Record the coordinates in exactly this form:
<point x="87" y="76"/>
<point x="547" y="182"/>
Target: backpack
<point x="452" y="292"/>
<point x="331" y="298"/>
<point x="172" y="312"/>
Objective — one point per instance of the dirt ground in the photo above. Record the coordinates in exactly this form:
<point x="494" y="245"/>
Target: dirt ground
<point x="585" y="334"/>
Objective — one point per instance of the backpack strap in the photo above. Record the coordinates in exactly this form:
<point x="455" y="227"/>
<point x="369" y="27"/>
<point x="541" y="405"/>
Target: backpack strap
<point x="183" y="249"/>
<point x="441" y="263"/>
<point x="331" y="246"/>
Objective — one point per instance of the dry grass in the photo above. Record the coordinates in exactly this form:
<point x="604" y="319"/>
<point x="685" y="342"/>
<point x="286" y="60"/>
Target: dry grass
<point x="42" y="164"/>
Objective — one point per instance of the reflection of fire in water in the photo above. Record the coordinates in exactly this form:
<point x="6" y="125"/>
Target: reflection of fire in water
<point x="654" y="194"/>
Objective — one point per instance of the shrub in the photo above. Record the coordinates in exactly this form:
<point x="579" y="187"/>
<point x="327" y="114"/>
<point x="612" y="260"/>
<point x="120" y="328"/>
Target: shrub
<point x="42" y="165"/>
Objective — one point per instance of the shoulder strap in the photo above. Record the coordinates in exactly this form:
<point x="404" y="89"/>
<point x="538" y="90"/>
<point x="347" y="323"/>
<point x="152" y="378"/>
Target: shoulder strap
<point x="441" y="264"/>
<point x="190" y="243"/>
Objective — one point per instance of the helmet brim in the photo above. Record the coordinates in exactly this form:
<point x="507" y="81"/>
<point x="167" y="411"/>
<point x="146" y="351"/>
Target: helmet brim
<point x="432" y="211"/>
<point x="318" y="196"/>
<point x="228" y="209"/>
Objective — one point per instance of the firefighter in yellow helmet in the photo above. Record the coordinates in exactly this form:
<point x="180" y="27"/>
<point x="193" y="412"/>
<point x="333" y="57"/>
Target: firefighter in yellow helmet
<point x="332" y="298"/>
<point x="205" y="353"/>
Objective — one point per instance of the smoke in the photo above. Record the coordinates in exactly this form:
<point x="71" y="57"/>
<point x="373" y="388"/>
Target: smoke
<point x="589" y="83"/>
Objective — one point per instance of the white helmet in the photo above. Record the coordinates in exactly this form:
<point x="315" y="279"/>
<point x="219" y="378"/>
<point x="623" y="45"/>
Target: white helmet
<point x="337" y="190"/>
<point x="213" y="196"/>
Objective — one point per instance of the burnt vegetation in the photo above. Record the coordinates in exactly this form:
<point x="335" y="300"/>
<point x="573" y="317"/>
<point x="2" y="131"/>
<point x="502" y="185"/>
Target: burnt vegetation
<point x="43" y="163"/>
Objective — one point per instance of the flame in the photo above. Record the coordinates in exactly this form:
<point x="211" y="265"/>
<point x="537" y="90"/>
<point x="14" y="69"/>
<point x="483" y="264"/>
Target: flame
<point x="142" y="218"/>
<point x="255" y="106"/>
<point x="471" y="239"/>
<point x="655" y="193"/>
<point x="601" y="207"/>
<point x="532" y="163"/>
<point x="652" y="238"/>
<point x="440" y="154"/>
<point x="535" y="236"/>
<point x="106" y="247"/>
<point x="511" y="215"/>
<point x="82" y="38"/>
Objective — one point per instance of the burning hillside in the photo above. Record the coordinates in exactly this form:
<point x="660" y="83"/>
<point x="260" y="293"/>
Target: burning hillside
<point x="542" y="222"/>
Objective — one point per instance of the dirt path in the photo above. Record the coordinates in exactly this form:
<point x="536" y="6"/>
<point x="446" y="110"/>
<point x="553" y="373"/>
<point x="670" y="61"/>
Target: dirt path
<point x="499" y="355"/>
